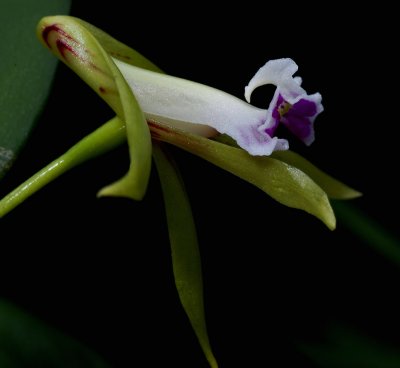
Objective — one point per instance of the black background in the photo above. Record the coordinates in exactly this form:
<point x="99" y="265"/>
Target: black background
<point x="100" y="270"/>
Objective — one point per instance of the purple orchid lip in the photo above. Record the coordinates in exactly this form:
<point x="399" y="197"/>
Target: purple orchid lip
<point x="298" y="118"/>
<point x="291" y="105"/>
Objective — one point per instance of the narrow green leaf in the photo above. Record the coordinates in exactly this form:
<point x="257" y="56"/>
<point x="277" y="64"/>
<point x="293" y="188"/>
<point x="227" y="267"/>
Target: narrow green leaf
<point x="286" y="184"/>
<point x="79" y="49"/>
<point x="185" y="250"/>
<point x="333" y="188"/>
<point x="27" y="342"/>
<point x="26" y="72"/>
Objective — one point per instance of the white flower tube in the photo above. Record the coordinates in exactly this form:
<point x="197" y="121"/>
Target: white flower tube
<point x="204" y="110"/>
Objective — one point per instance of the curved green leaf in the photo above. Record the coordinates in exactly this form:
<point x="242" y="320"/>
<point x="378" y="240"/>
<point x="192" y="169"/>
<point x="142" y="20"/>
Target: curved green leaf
<point x="26" y="72"/>
<point x="27" y="342"/>
<point x="333" y="188"/>
<point x="185" y="250"/>
<point x="73" y="44"/>
<point x="286" y="184"/>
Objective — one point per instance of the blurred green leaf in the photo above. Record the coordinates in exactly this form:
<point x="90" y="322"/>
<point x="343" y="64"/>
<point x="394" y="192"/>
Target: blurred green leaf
<point x="368" y="230"/>
<point x="26" y="72"/>
<point x="185" y="250"/>
<point x="346" y="348"/>
<point x="27" y="342"/>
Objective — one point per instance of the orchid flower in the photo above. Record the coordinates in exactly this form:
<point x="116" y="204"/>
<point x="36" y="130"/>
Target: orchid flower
<point x="196" y="108"/>
<point x="153" y="107"/>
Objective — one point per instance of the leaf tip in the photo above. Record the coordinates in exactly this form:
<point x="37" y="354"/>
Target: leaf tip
<point x="122" y="188"/>
<point x="352" y="194"/>
<point x="330" y="222"/>
<point x="327" y="216"/>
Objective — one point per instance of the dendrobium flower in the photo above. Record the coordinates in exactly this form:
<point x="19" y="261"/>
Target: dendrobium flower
<point x="204" y="110"/>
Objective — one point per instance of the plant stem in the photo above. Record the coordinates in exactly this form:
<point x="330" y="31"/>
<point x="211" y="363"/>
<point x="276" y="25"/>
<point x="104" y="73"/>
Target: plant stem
<point x="102" y="140"/>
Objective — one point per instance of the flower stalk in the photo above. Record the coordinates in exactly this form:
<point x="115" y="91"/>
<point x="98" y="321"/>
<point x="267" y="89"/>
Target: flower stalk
<point x="102" y="140"/>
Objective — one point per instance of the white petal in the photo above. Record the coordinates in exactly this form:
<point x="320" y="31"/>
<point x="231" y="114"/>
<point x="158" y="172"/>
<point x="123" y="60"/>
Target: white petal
<point x="173" y="100"/>
<point x="280" y="73"/>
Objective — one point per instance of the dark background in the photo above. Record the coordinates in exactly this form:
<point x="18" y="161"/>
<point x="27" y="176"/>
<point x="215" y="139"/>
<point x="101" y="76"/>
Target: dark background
<point x="100" y="270"/>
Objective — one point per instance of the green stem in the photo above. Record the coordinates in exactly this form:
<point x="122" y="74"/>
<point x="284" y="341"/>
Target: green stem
<point x="102" y="140"/>
<point x="368" y="230"/>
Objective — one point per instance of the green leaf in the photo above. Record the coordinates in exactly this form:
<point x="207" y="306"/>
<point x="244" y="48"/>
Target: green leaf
<point x="27" y="342"/>
<point x="185" y="250"/>
<point x="79" y="49"/>
<point x="26" y="72"/>
<point x="333" y="188"/>
<point x="286" y="184"/>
